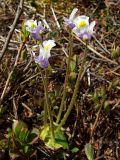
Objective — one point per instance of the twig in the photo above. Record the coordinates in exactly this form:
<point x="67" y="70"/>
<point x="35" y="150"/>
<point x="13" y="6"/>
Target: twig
<point x="105" y="49"/>
<point x="44" y="20"/>
<point x="88" y="74"/>
<point x="27" y="66"/>
<point x="18" y="14"/>
<point x="96" y="120"/>
<point x="57" y="23"/>
<point x="25" y="106"/>
<point x="28" y="79"/>
<point x="10" y="74"/>
<point x="2" y="39"/>
<point x="15" y="108"/>
<point x="94" y="51"/>
<point x="103" y="79"/>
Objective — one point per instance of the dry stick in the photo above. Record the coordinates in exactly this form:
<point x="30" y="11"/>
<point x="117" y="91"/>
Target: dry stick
<point x="57" y="23"/>
<point x="94" y="51"/>
<point x="29" y="63"/>
<point x="15" y="108"/>
<point x="96" y="120"/>
<point x="10" y="74"/>
<point x="105" y="49"/>
<point x="18" y="14"/>
<point x="28" y="79"/>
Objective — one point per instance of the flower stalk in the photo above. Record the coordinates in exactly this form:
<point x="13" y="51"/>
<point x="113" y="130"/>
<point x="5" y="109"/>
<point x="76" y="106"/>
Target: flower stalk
<point x="47" y="106"/>
<point x="66" y="78"/>
<point x="75" y="91"/>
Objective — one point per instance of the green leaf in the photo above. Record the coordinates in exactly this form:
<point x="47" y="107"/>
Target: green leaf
<point x="23" y="134"/>
<point x="31" y="137"/>
<point x="28" y="151"/>
<point x="89" y="151"/>
<point x="73" y="63"/>
<point x="53" y="145"/>
<point x="116" y="52"/>
<point x="44" y="133"/>
<point x="74" y="150"/>
<point x="60" y="139"/>
<point x="107" y="106"/>
<point x="24" y="33"/>
<point x="3" y="144"/>
<point x="18" y="127"/>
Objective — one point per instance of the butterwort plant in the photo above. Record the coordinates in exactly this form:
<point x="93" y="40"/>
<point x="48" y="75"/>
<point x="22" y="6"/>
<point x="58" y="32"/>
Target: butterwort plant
<point x="81" y="27"/>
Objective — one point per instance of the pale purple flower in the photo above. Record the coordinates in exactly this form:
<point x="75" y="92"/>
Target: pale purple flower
<point x="69" y="21"/>
<point x="82" y="28"/>
<point x="34" y="28"/>
<point x="44" y="54"/>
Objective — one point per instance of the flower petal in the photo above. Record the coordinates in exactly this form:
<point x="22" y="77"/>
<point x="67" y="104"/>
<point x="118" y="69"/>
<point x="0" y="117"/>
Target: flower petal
<point x="91" y="27"/>
<point x="72" y="15"/>
<point x="48" y="45"/>
<point x="44" y="63"/>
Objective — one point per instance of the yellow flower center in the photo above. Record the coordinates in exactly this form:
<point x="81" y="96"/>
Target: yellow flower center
<point x="32" y="25"/>
<point x="82" y="23"/>
<point x="47" y="47"/>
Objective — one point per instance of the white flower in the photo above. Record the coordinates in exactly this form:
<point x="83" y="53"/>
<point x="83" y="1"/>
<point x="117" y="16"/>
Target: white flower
<point x="48" y="45"/>
<point x="34" y="28"/>
<point x="44" y="53"/>
<point x="30" y="25"/>
<point x="82" y="28"/>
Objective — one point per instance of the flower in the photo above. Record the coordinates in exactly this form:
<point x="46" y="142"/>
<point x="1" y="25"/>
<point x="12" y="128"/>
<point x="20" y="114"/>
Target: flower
<point x="34" y="28"/>
<point x="44" y="53"/>
<point x="88" y="32"/>
<point x="69" y="21"/>
<point x="82" y="28"/>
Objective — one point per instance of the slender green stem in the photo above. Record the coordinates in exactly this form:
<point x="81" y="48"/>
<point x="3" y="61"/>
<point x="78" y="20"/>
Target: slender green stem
<point x="45" y="114"/>
<point x="75" y="91"/>
<point x="66" y="78"/>
<point x="47" y="108"/>
<point x="45" y="105"/>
